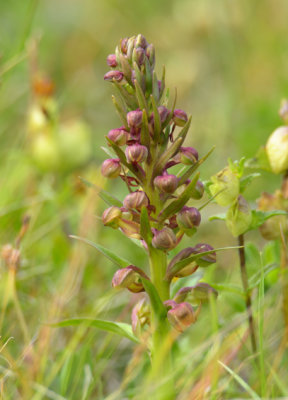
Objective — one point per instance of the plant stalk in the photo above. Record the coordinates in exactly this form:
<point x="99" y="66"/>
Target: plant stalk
<point x="248" y="302"/>
<point x="161" y="334"/>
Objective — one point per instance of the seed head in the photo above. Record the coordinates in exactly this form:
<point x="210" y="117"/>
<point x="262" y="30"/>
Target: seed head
<point x="277" y="150"/>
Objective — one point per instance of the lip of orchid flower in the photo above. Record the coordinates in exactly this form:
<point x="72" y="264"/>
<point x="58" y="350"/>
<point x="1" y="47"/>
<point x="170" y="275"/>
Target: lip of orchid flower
<point x="111" y="75"/>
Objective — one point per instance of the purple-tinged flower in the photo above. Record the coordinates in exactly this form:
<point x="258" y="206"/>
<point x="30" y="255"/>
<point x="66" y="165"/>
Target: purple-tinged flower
<point x="136" y="153"/>
<point x="111" y="75"/>
<point x="189" y="269"/>
<point x="123" y="45"/>
<point x="181" y="316"/>
<point x="180" y="117"/>
<point x="166" y="183"/>
<point x="164" y="239"/>
<point x="188" y="218"/>
<point x="206" y="259"/>
<point x="134" y="119"/>
<point x="111" y="168"/>
<point x="118" y="136"/>
<point x="150" y="53"/>
<point x="111" y="217"/>
<point x="187" y="156"/>
<point x="164" y="114"/>
<point x="111" y="61"/>
<point x="136" y="200"/>
<point x="138" y="56"/>
<point x="198" y="191"/>
<point x="199" y="293"/>
<point x="128" y="278"/>
<point x="140" y="41"/>
<point x="140" y="316"/>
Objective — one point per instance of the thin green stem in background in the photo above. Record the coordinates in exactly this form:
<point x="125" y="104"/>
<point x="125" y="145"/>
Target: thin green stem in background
<point x="244" y="278"/>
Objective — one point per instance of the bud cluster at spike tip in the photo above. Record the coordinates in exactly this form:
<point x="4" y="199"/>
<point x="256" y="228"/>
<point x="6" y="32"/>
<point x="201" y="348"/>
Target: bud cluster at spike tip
<point x="147" y="144"/>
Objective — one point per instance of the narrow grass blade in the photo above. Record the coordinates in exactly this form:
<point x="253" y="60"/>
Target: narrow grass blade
<point x="241" y="382"/>
<point x="106" y="252"/>
<point x="120" y="328"/>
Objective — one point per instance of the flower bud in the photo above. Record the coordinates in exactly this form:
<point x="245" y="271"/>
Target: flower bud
<point x="119" y="136"/>
<point x="180" y="117"/>
<point x="140" y="41"/>
<point x="136" y="153"/>
<point x="225" y="186"/>
<point x="188" y="155"/>
<point x="198" y="191"/>
<point x="164" y="239"/>
<point x="150" y="53"/>
<point x="188" y="219"/>
<point x="111" y="75"/>
<point x="111" y="61"/>
<point x="140" y="316"/>
<point x="134" y="119"/>
<point x="206" y="259"/>
<point x="111" y="217"/>
<point x="199" y="293"/>
<point x="188" y="269"/>
<point x="136" y="200"/>
<point x="138" y="56"/>
<point x="166" y="183"/>
<point x="277" y="150"/>
<point x="163" y="113"/>
<point x="239" y="217"/>
<point x="111" y="168"/>
<point x="128" y="278"/>
<point x="124" y="45"/>
<point x="181" y="316"/>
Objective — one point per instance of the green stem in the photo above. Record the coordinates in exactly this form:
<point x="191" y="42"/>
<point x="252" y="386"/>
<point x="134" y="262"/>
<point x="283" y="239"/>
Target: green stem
<point x="245" y="284"/>
<point x="161" y="335"/>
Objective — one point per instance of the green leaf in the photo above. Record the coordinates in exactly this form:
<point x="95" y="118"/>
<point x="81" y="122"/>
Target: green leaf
<point x="107" y="197"/>
<point x="148" y="76"/>
<point x="259" y="217"/>
<point x="169" y="153"/>
<point x="186" y="261"/>
<point x="260" y="161"/>
<point x="145" y="229"/>
<point x="194" y="167"/>
<point x="155" y="87"/>
<point x="246" y="180"/>
<point x="140" y="97"/>
<point x="126" y="97"/>
<point x="121" y="262"/>
<point x="185" y="129"/>
<point x="120" y="111"/>
<point x="177" y="204"/>
<point x="157" y="120"/>
<point x="126" y="68"/>
<point x="221" y="217"/>
<point x="120" y="328"/>
<point x="145" y="135"/>
<point x="156" y="302"/>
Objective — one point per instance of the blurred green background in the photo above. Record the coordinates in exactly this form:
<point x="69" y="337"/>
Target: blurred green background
<point x="227" y="59"/>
